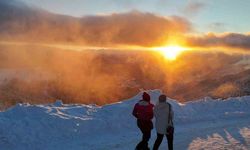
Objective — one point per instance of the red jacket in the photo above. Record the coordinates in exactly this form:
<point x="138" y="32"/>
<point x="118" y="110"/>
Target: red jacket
<point x="143" y="110"/>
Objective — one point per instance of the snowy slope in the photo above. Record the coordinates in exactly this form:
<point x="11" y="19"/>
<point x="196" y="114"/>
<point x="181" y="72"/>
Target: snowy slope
<point x="204" y="124"/>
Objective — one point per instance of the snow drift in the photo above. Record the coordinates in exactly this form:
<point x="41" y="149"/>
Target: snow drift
<point x="203" y="124"/>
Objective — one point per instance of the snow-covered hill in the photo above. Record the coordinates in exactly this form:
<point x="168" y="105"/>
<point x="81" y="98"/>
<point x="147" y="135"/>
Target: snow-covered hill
<point x="205" y="124"/>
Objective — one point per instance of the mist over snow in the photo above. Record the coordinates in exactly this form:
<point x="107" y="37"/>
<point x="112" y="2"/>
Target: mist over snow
<point x="203" y="124"/>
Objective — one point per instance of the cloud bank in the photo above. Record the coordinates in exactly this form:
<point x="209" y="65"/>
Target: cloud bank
<point x="20" y="22"/>
<point x="130" y="28"/>
<point x="228" y="40"/>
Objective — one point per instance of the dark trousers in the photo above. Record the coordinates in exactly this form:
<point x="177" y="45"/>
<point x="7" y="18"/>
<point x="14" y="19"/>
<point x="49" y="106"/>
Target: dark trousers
<point x="143" y="145"/>
<point x="170" y="138"/>
<point x="145" y="127"/>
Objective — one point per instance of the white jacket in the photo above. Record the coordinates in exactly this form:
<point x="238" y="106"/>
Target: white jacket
<point x="161" y="113"/>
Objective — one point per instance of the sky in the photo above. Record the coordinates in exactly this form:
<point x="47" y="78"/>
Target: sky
<point x="195" y="24"/>
<point x="206" y="15"/>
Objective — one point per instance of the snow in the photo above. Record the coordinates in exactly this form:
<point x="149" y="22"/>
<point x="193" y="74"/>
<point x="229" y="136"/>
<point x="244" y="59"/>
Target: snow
<point x="203" y="124"/>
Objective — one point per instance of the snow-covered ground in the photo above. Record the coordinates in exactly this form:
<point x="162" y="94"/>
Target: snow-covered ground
<point x="205" y="124"/>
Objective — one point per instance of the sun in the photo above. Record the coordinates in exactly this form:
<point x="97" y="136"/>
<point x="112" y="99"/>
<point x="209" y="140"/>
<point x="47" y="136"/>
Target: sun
<point x="171" y="52"/>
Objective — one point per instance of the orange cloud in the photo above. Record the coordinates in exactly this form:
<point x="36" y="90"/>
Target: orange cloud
<point x="22" y="23"/>
<point x="229" y="40"/>
<point x="130" y="28"/>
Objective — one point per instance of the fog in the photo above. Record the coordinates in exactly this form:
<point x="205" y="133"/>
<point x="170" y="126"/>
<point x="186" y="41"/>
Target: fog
<point x="39" y="74"/>
<point x="43" y="70"/>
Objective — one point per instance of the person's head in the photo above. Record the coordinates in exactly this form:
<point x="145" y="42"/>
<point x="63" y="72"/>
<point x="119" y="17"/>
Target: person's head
<point x="162" y="98"/>
<point x="146" y="96"/>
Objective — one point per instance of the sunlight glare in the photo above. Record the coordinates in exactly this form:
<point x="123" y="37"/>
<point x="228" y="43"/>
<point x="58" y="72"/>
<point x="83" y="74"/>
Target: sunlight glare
<point x="171" y="52"/>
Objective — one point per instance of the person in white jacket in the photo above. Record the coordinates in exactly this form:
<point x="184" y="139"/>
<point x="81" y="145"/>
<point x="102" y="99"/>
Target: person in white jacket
<point x="164" y="114"/>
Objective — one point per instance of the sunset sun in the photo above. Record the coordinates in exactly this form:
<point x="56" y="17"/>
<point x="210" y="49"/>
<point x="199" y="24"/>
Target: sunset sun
<point x="171" y="52"/>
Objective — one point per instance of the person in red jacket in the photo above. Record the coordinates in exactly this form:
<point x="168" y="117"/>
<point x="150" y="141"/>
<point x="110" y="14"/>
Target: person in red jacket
<point x="143" y="111"/>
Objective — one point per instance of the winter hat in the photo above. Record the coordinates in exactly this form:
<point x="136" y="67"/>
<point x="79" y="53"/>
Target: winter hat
<point x="162" y="98"/>
<point x="146" y="96"/>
